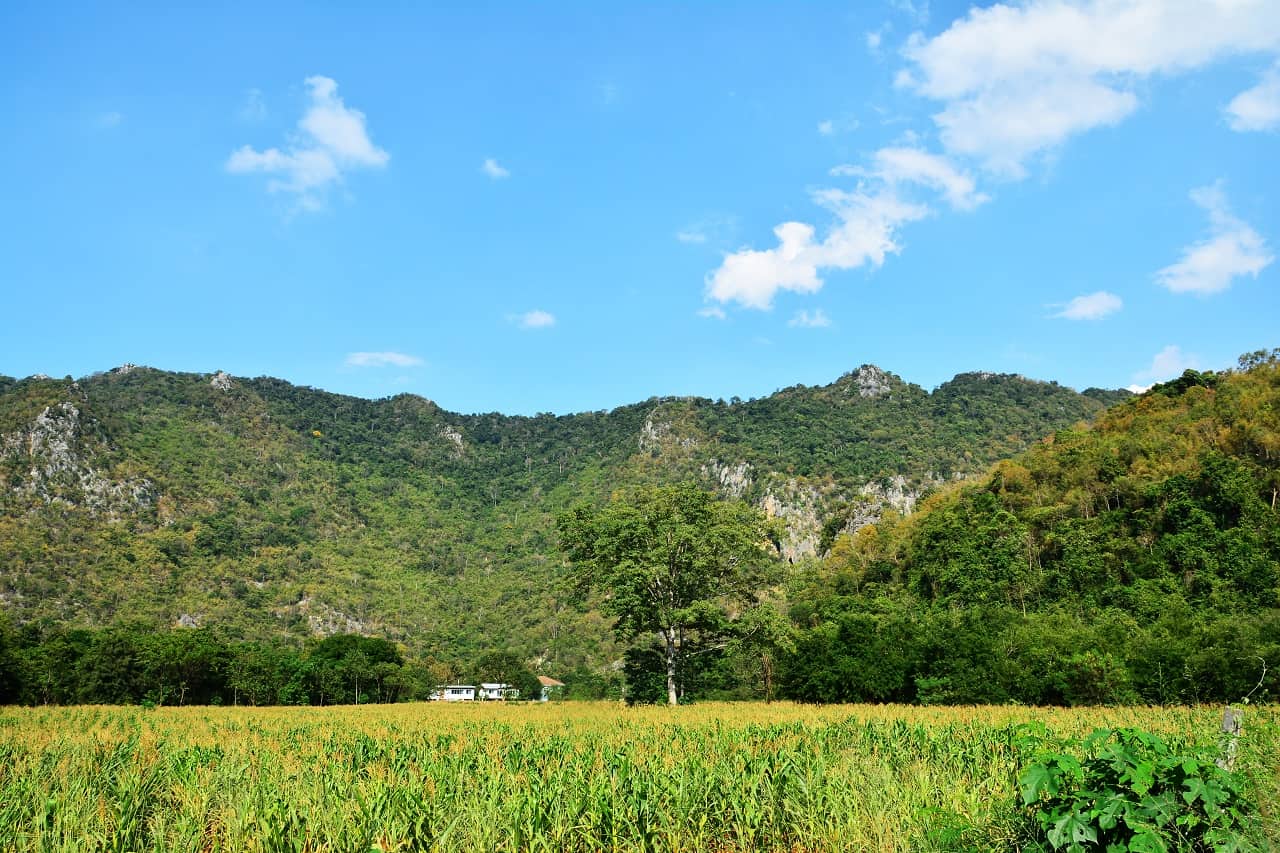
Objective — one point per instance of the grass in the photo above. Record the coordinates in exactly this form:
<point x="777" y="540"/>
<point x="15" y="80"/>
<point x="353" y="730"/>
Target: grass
<point x="573" y="776"/>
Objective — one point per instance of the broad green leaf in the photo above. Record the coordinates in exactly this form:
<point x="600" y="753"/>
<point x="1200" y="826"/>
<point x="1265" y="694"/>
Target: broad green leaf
<point x="1071" y="828"/>
<point x="1141" y="776"/>
<point x="1147" y="842"/>
<point x="1037" y="778"/>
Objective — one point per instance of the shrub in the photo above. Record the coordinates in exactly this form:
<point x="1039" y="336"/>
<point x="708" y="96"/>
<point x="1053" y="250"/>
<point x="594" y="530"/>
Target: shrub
<point x="1130" y="791"/>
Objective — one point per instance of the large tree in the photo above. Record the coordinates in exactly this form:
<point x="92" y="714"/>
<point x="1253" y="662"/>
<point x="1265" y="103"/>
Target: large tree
<point x="674" y="561"/>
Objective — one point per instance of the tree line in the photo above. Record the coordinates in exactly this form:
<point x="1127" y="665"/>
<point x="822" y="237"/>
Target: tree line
<point x="430" y="528"/>
<point x="1137" y="560"/>
<point x="138" y="664"/>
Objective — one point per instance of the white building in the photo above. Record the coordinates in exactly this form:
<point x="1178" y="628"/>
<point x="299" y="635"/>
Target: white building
<point x="456" y="693"/>
<point x="494" y="691"/>
<point x="549" y="687"/>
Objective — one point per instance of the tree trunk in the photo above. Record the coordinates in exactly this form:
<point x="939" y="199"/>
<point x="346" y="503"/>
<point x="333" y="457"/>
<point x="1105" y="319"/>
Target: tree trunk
<point x="766" y="665"/>
<point x="670" y="636"/>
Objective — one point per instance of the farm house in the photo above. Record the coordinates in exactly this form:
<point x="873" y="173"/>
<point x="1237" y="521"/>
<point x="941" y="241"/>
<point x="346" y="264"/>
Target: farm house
<point x="550" y="687"/>
<point x="491" y="691"/>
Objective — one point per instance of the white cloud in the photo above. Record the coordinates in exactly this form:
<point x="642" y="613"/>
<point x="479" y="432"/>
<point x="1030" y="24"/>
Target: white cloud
<point x="337" y="128"/>
<point x="1257" y="108"/>
<point x="912" y="165"/>
<point x="842" y="124"/>
<point x="1017" y="80"/>
<point x="917" y="11"/>
<point x="110" y="119"/>
<point x="865" y="232"/>
<point x="254" y="107"/>
<point x="331" y="140"/>
<point x="709" y="229"/>
<point x="382" y="359"/>
<point x="1013" y="81"/>
<point x="491" y="168"/>
<point x="1232" y="249"/>
<point x="1165" y="365"/>
<point x="1003" y="129"/>
<point x="714" y="312"/>
<point x="1093" y="306"/>
<point x="1138" y="389"/>
<point x="535" y="319"/>
<point x="874" y="39"/>
<point x="816" y="319"/>
<point x="608" y="93"/>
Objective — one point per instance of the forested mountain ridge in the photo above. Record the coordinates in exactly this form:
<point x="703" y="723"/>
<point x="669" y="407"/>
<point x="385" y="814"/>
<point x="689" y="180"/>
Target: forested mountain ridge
<point x="267" y="509"/>
<point x="1138" y="558"/>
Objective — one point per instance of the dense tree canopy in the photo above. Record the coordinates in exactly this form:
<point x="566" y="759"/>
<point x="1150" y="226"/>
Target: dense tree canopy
<point x="276" y="512"/>
<point x="1135" y="559"/>
<point x="671" y="561"/>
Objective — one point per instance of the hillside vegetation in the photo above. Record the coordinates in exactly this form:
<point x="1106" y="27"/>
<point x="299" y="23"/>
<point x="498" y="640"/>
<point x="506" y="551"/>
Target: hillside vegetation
<point x="264" y="510"/>
<point x="1138" y="558"/>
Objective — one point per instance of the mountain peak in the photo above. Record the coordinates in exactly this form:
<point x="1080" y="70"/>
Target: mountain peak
<point x="869" y="381"/>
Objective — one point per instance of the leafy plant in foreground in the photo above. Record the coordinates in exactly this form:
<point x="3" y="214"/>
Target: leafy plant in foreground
<point x="1131" y="791"/>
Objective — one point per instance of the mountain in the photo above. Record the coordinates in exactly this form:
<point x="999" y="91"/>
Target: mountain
<point x="1136" y="559"/>
<point x="270" y="510"/>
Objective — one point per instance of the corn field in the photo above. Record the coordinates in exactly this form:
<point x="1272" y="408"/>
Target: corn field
<point x="556" y="777"/>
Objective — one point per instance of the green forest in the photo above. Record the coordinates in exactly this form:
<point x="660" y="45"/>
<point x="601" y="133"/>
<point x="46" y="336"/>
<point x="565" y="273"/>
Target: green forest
<point x="1137" y="559"/>
<point x="199" y="538"/>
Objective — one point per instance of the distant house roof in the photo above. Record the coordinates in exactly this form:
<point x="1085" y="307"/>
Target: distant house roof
<point x="545" y="681"/>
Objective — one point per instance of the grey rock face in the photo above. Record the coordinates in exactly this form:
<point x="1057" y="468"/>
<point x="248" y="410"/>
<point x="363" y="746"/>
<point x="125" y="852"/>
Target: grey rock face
<point x="451" y="435"/>
<point x="799" y="506"/>
<point x="803" y="506"/>
<point x="871" y="381"/>
<point x="895" y="491"/>
<point x="658" y="432"/>
<point x="732" y="479"/>
<point x="653" y="432"/>
<point x="59" y="472"/>
<point x="325" y="621"/>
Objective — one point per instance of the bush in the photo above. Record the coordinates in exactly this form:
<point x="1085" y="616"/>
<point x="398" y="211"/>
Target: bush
<point x="1131" y="791"/>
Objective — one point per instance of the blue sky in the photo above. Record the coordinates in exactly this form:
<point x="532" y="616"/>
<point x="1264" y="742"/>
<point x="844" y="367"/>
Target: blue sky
<point x="533" y="208"/>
